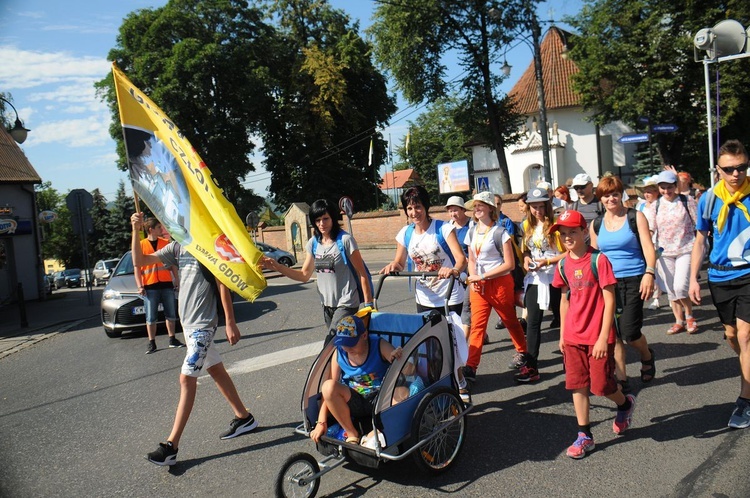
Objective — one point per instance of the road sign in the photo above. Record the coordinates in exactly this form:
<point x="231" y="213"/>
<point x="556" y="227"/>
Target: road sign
<point x="483" y="184"/>
<point x="347" y="206"/>
<point x="252" y="220"/>
<point x="643" y="119"/>
<point x="79" y="202"/>
<point x="665" y="128"/>
<point x="634" y="138"/>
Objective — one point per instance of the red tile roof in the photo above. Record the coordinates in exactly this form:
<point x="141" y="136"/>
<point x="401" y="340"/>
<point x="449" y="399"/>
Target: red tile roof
<point x="556" y="73"/>
<point x="14" y="166"/>
<point x="398" y="179"/>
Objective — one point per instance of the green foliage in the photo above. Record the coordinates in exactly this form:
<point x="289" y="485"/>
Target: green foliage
<point x="328" y="101"/>
<point x="204" y="63"/>
<point x="117" y="228"/>
<point x="435" y="138"/>
<point x="413" y="39"/>
<point x="636" y="59"/>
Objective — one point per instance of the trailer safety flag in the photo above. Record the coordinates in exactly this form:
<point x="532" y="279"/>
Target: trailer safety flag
<point x="173" y="181"/>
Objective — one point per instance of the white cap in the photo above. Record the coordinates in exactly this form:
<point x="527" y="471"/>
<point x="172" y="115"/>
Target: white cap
<point x="581" y="180"/>
<point x="455" y="200"/>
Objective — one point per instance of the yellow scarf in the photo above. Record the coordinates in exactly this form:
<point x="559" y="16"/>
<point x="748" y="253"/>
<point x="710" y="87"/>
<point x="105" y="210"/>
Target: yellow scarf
<point x="728" y="199"/>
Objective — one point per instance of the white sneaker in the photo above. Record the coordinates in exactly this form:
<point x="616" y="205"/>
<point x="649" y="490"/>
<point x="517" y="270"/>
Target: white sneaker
<point x="654" y="304"/>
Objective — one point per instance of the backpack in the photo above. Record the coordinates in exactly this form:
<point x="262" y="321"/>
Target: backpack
<point x="348" y="262"/>
<point x="683" y="199"/>
<point x="440" y="238"/>
<point x="594" y="268"/>
<point x="497" y="238"/>
<point x="632" y="215"/>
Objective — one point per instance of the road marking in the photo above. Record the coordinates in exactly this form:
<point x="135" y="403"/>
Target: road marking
<point x="275" y="359"/>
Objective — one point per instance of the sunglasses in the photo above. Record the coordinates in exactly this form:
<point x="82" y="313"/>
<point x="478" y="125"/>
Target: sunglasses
<point x="729" y="170"/>
<point x="579" y="187"/>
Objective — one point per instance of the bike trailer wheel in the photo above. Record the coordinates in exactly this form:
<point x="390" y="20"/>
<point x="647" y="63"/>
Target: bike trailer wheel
<point x="293" y="481"/>
<point x="434" y="410"/>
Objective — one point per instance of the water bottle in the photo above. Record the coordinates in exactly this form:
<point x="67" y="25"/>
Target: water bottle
<point x="337" y="432"/>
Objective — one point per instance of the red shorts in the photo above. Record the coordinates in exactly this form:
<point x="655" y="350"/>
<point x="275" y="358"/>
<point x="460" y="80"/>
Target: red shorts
<point x="584" y="371"/>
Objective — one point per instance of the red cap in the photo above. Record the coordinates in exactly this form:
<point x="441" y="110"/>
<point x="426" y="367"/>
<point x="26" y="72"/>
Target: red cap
<point x="569" y="218"/>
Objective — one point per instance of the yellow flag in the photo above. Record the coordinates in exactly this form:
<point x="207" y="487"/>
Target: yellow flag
<point x="170" y="177"/>
<point x="369" y="161"/>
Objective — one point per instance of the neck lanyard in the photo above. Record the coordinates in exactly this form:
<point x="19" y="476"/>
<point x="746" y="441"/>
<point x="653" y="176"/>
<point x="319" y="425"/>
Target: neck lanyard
<point x="480" y="242"/>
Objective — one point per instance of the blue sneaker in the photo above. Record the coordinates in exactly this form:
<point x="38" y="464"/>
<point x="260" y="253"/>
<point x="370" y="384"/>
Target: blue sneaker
<point x="740" y="418"/>
<point x="581" y="446"/>
<point x="624" y="417"/>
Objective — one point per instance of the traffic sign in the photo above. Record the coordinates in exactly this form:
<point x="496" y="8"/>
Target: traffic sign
<point x="634" y="138"/>
<point x="483" y="184"/>
<point x="252" y="220"/>
<point x="347" y="206"/>
<point x="664" y="128"/>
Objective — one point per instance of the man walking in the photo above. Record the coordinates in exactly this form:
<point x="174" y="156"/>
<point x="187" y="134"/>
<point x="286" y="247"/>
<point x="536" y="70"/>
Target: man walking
<point x="199" y="320"/>
<point x="155" y="284"/>
<point x="726" y="212"/>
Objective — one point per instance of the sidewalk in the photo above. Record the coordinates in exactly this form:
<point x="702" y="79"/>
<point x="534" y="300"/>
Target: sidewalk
<point x="62" y="310"/>
<point x="66" y="308"/>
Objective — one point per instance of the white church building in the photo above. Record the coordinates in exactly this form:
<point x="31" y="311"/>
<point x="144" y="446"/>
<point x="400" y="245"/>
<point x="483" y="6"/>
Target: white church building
<point x="577" y="145"/>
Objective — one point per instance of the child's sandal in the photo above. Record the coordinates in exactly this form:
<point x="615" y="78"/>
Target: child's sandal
<point x="648" y="374"/>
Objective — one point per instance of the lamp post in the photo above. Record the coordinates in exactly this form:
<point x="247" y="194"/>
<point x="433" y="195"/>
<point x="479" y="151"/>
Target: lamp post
<point x="536" y="33"/>
<point x="18" y="132"/>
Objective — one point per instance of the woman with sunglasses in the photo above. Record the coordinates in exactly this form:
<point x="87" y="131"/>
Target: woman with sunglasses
<point x="671" y="218"/>
<point x="633" y="258"/>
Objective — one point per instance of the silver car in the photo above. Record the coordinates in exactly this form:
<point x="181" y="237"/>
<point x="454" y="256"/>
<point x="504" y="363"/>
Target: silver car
<point x="122" y="307"/>
<point x="283" y="257"/>
<point x="103" y="270"/>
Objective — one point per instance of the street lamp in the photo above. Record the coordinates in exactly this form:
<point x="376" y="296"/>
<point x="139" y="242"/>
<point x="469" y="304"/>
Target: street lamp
<point x="536" y="32"/>
<point x="18" y="132"/>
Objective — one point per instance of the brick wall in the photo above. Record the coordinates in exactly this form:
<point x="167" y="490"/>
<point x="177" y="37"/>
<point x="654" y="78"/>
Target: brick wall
<point x="379" y="229"/>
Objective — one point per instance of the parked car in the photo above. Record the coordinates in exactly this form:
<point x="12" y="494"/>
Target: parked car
<point x="48" y="283"/>
<point x="68" y="278"/>
<point x="103" y="270"/>
<point x="283" y="257"/>
<point x="122" y="308"/>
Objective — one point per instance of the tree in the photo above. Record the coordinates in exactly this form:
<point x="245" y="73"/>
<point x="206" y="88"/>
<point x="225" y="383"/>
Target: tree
<point x="328" y="101"/>
<point x="201" y="61"/>
<point x="636" y="60"/>
<point x="413" y="38"/>
<point x="433" y="139"/>
<point x="116" y="240"/>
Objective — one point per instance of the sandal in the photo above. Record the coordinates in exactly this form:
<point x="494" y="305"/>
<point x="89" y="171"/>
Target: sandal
<point x="352" y="439"/>
<point x="692" y="326"/>
<point x="676" y="329"/>
<point x="648" y="374"/>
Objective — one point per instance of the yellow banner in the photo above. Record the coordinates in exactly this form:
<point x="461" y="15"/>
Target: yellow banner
<point x="173" y="181"/>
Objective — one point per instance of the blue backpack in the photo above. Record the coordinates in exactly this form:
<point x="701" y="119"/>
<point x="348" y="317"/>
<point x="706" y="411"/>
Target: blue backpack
<point x="440" y="238"/>
<point x="348" y="262"/>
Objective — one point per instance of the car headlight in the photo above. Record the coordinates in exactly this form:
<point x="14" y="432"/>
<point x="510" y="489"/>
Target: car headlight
<point x="110" y="294"/>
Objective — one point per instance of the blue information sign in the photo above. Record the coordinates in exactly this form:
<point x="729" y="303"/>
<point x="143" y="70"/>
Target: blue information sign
<point x="664" y="128"/>
<point x="635" y="138"/>
<point x="483" y="184"/>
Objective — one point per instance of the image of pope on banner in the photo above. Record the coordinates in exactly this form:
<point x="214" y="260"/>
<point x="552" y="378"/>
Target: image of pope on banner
<point x="169" y="176"/>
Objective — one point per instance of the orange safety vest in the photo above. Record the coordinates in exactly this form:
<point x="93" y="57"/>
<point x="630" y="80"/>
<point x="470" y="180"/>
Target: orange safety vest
<point x="154" y="274"/>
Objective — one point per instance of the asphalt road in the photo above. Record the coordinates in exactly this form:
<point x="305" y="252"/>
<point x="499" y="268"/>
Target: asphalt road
<point x="79" y="411"/>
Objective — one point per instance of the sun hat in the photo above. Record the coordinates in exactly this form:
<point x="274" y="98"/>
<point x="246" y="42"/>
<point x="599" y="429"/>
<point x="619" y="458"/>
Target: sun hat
<point x="537" y="194"/>
<point x="666" y="177"/>
<point x="581" y="180"/>
<point x="348" y="331"/>
<point x="486" y="197"/>
<point x="544" y="185"/>
<point x="569" y="218"/>
<point x="455" y="200"/>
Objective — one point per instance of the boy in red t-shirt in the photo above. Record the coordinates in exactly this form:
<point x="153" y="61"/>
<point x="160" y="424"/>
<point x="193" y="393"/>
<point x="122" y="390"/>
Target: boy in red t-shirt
<point x="587" y="333"/>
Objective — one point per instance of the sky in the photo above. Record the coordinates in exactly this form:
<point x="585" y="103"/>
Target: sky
<point x="52" y="52"/>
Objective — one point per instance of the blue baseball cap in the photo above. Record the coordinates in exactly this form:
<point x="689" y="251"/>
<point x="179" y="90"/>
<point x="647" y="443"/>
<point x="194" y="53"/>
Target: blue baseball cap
<point x="348" y="331"/>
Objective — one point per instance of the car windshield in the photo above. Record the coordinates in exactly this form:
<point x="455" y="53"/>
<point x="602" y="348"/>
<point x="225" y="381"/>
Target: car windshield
<point x="72" y="272"/>
<point x="111" y="263"/>
<point x="125" y="267"/>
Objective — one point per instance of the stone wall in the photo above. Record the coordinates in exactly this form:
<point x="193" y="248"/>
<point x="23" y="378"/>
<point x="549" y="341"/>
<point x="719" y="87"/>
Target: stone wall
<point x="379" y="229"/>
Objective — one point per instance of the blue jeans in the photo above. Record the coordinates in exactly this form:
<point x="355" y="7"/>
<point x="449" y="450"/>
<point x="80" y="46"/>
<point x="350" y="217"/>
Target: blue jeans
<point x="153" y="298"/>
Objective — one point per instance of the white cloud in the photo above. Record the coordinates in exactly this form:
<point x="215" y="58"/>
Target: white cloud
<point x="27" y="69"/>
<point x="86" y="132"/>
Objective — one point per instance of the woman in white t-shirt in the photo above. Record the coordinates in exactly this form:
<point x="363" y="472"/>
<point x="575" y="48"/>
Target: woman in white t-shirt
<point x="491" y="283"/>
<point x="432" y="246"/>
